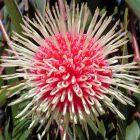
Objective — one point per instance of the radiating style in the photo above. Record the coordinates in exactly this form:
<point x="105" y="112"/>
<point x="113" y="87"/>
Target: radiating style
<point x="68" y="68"/>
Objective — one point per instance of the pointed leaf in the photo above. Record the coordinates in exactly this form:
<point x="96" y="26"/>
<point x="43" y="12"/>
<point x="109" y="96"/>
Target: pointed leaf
<point x="132" y="131"/>
<point x="14" y="13"/>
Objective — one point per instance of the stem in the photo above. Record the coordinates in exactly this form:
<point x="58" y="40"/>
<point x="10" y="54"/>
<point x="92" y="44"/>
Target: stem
<point x="135" y="43"/>
<point x="125" y="49"/>
<point x="6" y="38"/>
<point x="5" y="35"/>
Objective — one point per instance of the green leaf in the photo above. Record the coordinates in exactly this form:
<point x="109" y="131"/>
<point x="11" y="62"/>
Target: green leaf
<point x="125" y="50"/>
<point x="11" y="70"/>
<point x="14" y="13"/>
<point x="135" y="6"/>
<point x="121" y="127"/>
<point x="3" y="96"/>
<point x="80" y="133"/>
<point x="7" y="134"/>
<point x="102" y="129"/>
<point x="5" y="92"/>
<point x="93" y="127"/>
<point x="1" y="136"/>
<point x="132" y="131"/>
<point x="40" y="5"/>
<point x="20" y="131"/>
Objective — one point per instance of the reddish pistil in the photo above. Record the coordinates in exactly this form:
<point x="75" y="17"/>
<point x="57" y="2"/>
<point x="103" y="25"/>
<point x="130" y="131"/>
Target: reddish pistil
<point x="71" y="78"/>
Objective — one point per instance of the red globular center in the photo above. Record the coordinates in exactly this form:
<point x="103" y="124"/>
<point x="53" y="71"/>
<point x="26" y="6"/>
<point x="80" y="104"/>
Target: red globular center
<point x="70" y="71"/>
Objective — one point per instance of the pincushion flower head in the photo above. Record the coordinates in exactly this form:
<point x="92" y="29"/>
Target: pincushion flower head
<point x="70" y="71"/>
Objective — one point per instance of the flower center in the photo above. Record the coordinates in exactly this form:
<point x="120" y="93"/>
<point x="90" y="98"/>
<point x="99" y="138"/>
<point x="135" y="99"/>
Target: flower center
<point x="71" y="71"/>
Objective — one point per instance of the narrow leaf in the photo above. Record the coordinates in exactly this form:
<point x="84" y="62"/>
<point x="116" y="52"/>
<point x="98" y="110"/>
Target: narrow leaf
<point x="14" y="14"/>
<point x="40" y="5"/>
<point x="135" y="6"/>
<point x="132" y="131"/>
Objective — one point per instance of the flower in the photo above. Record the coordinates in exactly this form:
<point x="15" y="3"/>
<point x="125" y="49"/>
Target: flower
<point x="69" y="71"/>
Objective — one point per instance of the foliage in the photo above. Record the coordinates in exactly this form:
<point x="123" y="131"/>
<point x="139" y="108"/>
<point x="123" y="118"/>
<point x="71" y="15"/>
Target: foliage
<point x="109" y="126"/>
